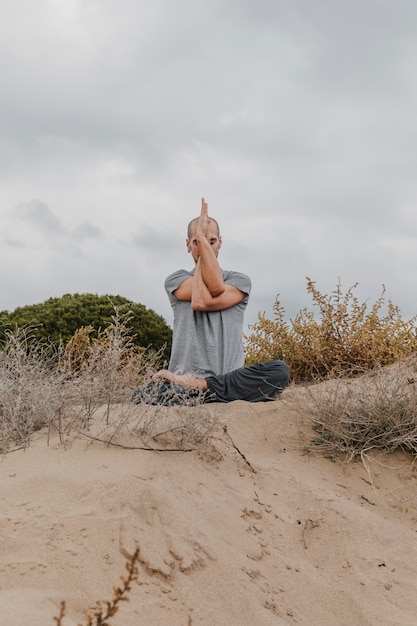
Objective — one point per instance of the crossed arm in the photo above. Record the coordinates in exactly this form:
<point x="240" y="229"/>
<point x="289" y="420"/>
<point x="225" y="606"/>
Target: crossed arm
<point x="206" y="290"/>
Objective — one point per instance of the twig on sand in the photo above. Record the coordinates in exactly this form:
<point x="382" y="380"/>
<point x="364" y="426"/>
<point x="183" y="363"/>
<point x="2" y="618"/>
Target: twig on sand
<point x="120" y="445"/>
<point x="239" y="451"/>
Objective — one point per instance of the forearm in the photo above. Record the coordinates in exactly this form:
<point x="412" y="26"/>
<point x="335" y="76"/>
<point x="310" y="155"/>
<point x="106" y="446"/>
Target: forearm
<point x="209" y="268"/>
<point x="201" y="297"/>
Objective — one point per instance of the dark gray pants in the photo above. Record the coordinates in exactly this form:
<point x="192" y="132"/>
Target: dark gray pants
<point x="256" y="383"/>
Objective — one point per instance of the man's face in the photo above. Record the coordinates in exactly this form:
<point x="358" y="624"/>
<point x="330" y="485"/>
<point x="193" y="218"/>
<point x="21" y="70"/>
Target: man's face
<point x="213" y="237"/>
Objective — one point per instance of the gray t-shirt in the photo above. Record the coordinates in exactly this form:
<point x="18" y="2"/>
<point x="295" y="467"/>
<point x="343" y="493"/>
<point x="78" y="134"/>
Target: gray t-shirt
<point x="207" y="342"/>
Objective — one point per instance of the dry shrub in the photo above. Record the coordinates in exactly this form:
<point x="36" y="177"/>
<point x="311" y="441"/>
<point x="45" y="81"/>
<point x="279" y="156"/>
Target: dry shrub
<point x="375" y="411"/>
<point x="104" y="369"/>
<point x="86" y="390"/>
<point x="31" y="386"/>
<point x="43" y="385"/>
<point x="347" y="337"/>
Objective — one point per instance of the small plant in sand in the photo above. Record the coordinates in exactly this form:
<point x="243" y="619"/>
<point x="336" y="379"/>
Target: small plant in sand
<point x="376" y="411"/>
<point x="346" y="339"/>
<point x="108" y="608"/>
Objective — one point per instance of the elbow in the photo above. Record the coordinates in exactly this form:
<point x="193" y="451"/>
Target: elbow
<point x="206" y="301"/>
<point x="201" y="304"/>
<point x="198" y="305"/>
<point x="217" y="290"/>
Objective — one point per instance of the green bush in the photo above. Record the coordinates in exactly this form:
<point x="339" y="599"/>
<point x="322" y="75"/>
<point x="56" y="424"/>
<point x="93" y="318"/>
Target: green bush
<point x="58" y="319"/>
<point x="346" y="338"/>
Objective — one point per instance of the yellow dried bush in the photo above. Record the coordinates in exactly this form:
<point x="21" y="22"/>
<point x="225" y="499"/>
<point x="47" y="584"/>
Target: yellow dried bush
<point x="345" y="338"/>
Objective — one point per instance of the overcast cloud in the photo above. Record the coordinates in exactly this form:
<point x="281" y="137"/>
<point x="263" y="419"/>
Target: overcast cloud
<point x="296" y="120"/>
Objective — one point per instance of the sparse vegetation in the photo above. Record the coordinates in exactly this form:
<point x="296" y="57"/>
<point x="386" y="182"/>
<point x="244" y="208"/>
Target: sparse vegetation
<point x="108" y="608"/>
<point x="363" y="361"/>
<point x="350" y="346"/>
<point x="85" y="390"/>
<point x="357" y="366"/>
<point x="31" y="387"/>
<point x="376" y="411"/>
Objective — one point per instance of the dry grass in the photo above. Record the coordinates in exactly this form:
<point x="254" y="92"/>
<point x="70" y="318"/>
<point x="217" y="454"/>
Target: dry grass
<point x="376" y="411"/>
<point x="32" y="393"/>
<point x="85" y="390"/>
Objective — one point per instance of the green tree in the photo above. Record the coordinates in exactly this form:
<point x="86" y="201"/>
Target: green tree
<point x="58" y="319"/>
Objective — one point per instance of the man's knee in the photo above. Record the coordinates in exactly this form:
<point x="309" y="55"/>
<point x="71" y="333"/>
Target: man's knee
<point x="276" y="371"/>
<point x="282" y="371"/>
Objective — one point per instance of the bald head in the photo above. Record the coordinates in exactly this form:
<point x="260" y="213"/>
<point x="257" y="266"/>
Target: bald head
<point x="194" y="222"/>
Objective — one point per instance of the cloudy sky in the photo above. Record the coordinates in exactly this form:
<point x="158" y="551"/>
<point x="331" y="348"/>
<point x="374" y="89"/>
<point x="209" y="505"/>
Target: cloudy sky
<point x="296" y="120"/>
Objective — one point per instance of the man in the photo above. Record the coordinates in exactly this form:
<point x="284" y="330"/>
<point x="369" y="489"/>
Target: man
<point x="207" y="355"/>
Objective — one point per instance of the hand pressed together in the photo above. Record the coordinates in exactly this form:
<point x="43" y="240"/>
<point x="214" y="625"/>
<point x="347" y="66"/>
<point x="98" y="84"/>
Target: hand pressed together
<point x="203" y="224"/>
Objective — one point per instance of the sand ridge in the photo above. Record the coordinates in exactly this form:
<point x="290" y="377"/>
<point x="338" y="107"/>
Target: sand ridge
<point x="268" y="535"/>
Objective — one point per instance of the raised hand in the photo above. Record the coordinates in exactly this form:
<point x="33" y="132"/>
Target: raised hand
<point x="204" y="221"/>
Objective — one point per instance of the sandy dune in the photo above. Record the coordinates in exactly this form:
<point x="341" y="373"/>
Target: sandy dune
<point x="268" y="535"/>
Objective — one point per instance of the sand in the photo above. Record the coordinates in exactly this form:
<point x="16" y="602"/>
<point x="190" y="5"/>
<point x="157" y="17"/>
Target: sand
<point x="267" y="535"/>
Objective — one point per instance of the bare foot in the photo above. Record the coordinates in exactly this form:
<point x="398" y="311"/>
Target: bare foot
<point x="188" y="381"/>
